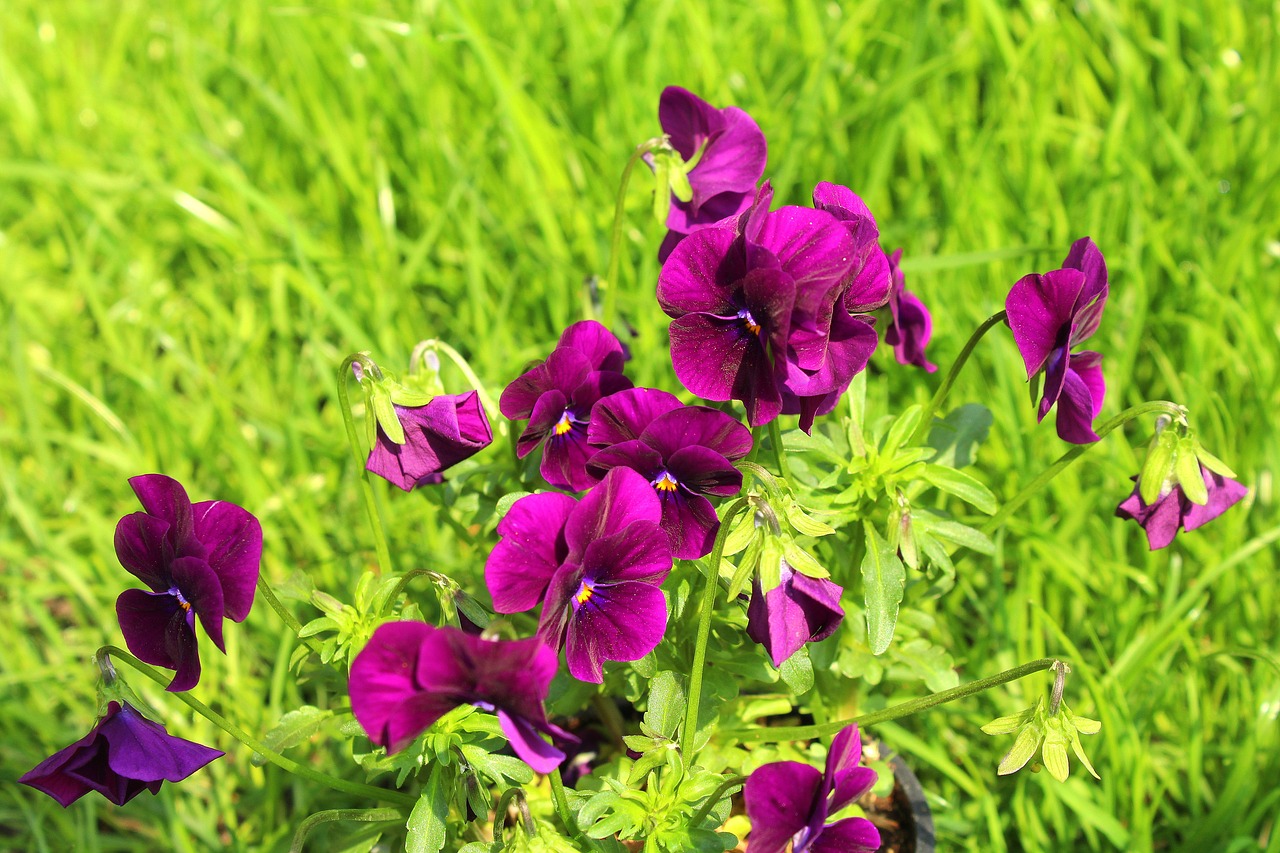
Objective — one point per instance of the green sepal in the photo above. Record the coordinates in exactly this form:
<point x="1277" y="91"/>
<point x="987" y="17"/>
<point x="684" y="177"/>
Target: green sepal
<point x="678" y="180"/>
<point x="1023" y="748"/>
<point x="1158" y="467"/>
<point x="1054" y="750"/>
<point x="408" y="397"/>
<point x="1007" y="725"/>
<point x="802" y="561"/>
<point x="1187" y="469"/>
<point x="770" y="564"/>
<point x="661" y="188"/>
<point x="1213" y="463"/>
<point x="385" y="413"/>
<point x="804" y="523"/>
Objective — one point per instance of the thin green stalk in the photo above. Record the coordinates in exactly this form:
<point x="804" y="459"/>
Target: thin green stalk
<point x="926" y="419"/>
<point x="779" y="457"/>
<point x="562" y="804"/>
<point x="267" y="593"/>
<point x="615" y="240"/>
<point x="456" y="358"/>
<point x="370" y="505"/>
<point x="1064" y="461"/>
<point x="690" y="730"/>
<point x="331" y="815"/>
<point x="401" y="584"/>
<point x="776" y="735"/>
<point x="701" y="814"/>
<point x="347" y="787"/>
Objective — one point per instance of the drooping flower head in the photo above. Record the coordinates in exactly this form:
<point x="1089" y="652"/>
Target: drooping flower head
<point x="557" y="397"/>
<point x="789" y="802"/>
<point x="730" y="151"/>
<point x="596" y="564"/>
<point x="438" y="435"/>
<point x="911" y="325"/>
<point x="123" y="755"/>
<point x="685" y="452"/>
<point x="799" y="610"/>
<point x="754" y="302"/>
<point x="1050" y="314"/>
<point x="411" y="674"/>
<point x="1173" y="509"/>
<point x="200" y="560"/>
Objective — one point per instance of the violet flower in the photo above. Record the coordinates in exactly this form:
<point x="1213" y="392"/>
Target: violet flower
<point x="754" y="302"/>
<point x="557" y="397"/>
<point x="799" y="610"/>
<point x="596" y="563"/>
<point x="685" y="452"/>
<point x="1173" y="509"/>
<point x="1049" y="314"/>
<point x="124" y="754"/>
<point x="411" y="674"/>
<point x="731" y="154"/>
<point x="199" y="560"/>
<point x="439" y="435"/>
<point x="911" y="325"/>
<point x="789" y="802"/>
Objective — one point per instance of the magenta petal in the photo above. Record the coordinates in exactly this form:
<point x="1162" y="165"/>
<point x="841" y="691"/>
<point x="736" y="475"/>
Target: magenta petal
<point x="636" y="455"/>
<point x="624" y="415"/>
<point x="234" y="538"/>
<point x="840" y="201"/>
<point x="701" y="273"/>
<point x="815" y="250"/>
<point x="910" y="333"/>
<point x="690" y="523"/>
<point x="1086" y="257"/>
<point x="1160" y="520"/>
<point x="734" y="155"/>
<point x="703" y="471"/>
<point x="197" y="583"/>
<point x="439" y="435"/>
<point x="1224" y="493"/>
<point x="564" y="460"/>
<point x="779" y="798"/>
<point x="851" y="835"/>
<point x="622" y="498"/>
<point x="698" y="426"/>
<point x="528" y="744"/>
<point x="1039" y="308"/>
<point x="141" y="749"/>
<point x="386" y="698"/>
<point x="871" y="283"/>
<point x="1080" y="401"/>
<point x="636" y="552"/>
<point x="532" y="547"/>
<point x="563" y="371"/>
<point x="601" y="348"/>
<point x="546" y="414"/>
<point x="159" y="632"/>
<point x="684" y="219"/>
<point x="618" y="622"/>
<point x="800" y="610"/>
<point x="597" y="385"/>
<point x="140" y="547"/>
<point x="166" y="499"/>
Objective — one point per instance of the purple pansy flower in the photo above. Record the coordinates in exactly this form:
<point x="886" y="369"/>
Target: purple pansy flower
<point x="411" y="674"/>
<point x="438" y="435"/>
<point x="732" y="159"/>
<point x="685" y="452"/>
<point x="557" y="397"/>
<point x="799" y="610"/>
<point x="122" y="756"/>
<point x="789" y="802"/>
<point x="1173" y="509"/>
<point x="754" y="302"/>
<point x="911" y="325"/>
<point x="199" y="560"/>
<point x="595" y="563"/>
<point x="1051" y="313"/>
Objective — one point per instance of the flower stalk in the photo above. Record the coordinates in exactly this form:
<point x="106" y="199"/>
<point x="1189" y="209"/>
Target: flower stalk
<point x="649" y="146"/>
<point x="353" y="438"/>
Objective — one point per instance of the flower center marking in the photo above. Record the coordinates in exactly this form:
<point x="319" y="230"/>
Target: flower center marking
<point x="565" y="424"/>
<point x="182" y="602"/>
<point x="750" y="322"/>
<point x="665" y="483"/>
<point x="584" y="594"/>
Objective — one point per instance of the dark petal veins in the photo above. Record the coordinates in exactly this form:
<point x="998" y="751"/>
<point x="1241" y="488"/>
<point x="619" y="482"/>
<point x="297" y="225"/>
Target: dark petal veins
<point x="703" y="471"/>
<point x="546" y="414"/>
<point x="199" y="585"/>
<point x="563" y="371"/>
<point x="690" y="523"/>
<point x="622" y="498"/>
<point x="596" y="386"/>
<point x="565" y="457"/>
<point x="636" y="455"/>
<point x="620" y="622"/>
<point x="637" y="552"/>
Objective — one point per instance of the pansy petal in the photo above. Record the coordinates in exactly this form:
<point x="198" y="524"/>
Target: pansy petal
<point x="637" y="552"/>
<point x="698" y="426"/>
<point x="1078" y="405"/>
<point x="447" y="430"/>
<point x="141" y="749"/>
<point x="563" y="371"/>
<point x="1086" y="257"/>
<point x="386" y="697"/>
<point x="1224" y="493"/>
<point x="910" y="333"/>
<point x="851" y="835"/>
<point x="701" y="273"/>
<point x="159" y="632"/>
<point x="840" y="201"/>
<point x="690" y="523"/>
<point x="531" y="548"/>
<point x="1160" y="520"/>
<point x="684" y="219"/>
<point x="564" y="460"/>
<point x="140" y="547"/>
<point x="622" y="498"/>
<point x="703" y="471"/>
<point x="1039" y="309"/>
<point x="198" y="584"/>
<point x="624" y="415"/>
<point x="165" y="498"/>
<point x="532" y="749"/>
<point x="815" y="250"/>
<point x="514" y="675"/>
<point x="543" y="420"/>
<point x="870" y="285"/>
<point x="601" y="347"/>
<point x="636" y="455"/>
<point x="598" y="384"/>
<point x="234" y="539"/>
<point x="780" y="798"/>
<point x="617" y="622"/>
<point x="734" y="160"/>
<point x="798" y="611"/>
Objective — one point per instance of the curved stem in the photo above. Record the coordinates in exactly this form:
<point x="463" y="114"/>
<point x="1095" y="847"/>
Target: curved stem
<point x="347" y="787"/>
<point x="701" y="814"/>
<point x="402" y="583"/>
<point x="330" y="815"/>
<point x="775" y="437"/>
<point x="940" y="396"/>
<point x="690" y="730"/>
<point x="265" y="590"/>
<point x="456" y="358"/>
<point x="774" y="735"/>
<point x="615" y="240"/>
<point x="1065" y="460"/>
<point x="370" y="505"/>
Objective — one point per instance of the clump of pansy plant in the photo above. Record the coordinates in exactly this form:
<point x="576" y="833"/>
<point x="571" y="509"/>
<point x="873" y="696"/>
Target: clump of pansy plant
<point x="678" y="581"/>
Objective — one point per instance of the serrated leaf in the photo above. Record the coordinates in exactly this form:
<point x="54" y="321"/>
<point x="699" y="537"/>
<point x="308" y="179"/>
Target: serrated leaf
<point x="1023" y="748"/>
<point x="293" y="728"/>
<point x="1187" y="470"/>
<point x="427" y="828"/>
<point x="667" y="701"/>
<point x="1158" y="467"/>
<point x="963" y="486"/>
<point x="797" y="672"/>
<point x="883" y="584"/>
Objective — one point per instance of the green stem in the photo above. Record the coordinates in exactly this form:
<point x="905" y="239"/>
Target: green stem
<point x="775" y="437"/>
<point x="347" y="787"/>
<point x="615" y="240"/>
<point x="456" y="358"/>
<point x="562" y="804"/>
<point x="267" y="593"/>
<point x="701" y="814"/>
<point x="775" y="735"/>
<point x="402" y="583"/>
<point x="370" y="505"/>
<point x="1065" y="460"/>
<point x="690" y="730"/>
<point x="330" y="815"/>
<point x="926" y="419"/>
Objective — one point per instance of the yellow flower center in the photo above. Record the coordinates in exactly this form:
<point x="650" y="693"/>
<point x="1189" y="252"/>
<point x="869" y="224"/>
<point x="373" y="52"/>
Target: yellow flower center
<point x="584" y="594"/>
<point x="564" y="424"/>
<point x="665" y="483"/>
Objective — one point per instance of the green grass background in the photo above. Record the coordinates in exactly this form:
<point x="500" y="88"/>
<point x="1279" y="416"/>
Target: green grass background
<point x="204" y="206"/>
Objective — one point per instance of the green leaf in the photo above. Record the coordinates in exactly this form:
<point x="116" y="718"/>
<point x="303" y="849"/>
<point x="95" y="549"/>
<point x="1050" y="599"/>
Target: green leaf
<point x="963" y="486"/>
<point x="293" y="728"/>
<point x="957" y="436"/>
<point x="667" y="700"/>
<point x="505" y="502"/>
<point x="797" y="672"/>
<point x="903" y="428"/>
<point x="316" y="626"/>
<point x="960" y="534"/>
<point x="426" y="825"/>
<point x="1157" y="467"/>
<point x="883" y="582"/>
<point x="1187" y="469"/>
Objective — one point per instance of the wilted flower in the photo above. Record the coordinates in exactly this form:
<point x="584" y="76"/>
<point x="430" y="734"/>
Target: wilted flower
<point x="438" y="435"/>
<point x="411" y="674"/>
<point x="199" y="559"/>
<point x="911" y="326"/>
<point x="123" y="755"/>
<point x="685" y="452"/>
<point x="789" y="802"/>
<point x="1173" y="509"/>
<point x="730" y="154"/>
<point x="799" y="610"/>
<point x="557" y="397"/>
<point x="598" y="562"/>
<point x="1048" y="731"/>
<point x="1051" y="313"/>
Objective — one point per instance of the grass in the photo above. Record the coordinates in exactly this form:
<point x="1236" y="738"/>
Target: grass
<point x="204" y="206"/>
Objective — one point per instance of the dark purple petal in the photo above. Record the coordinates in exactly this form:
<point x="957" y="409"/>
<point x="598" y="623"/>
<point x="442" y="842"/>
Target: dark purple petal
<point x="684" y="219"/>
<point x="780" y="797"/>
<point x="602" y="349"/>
<point x="734" y="157"/>
<point x="439" y="435"/>
<point x="1039" y="311"/>
<point x="719" y="359"/>
<point x="851" y="835"/>
<point x="140" y="547"/>
<point x="57" y="776"/>
<point x="234" y="539"/>
<point x="160" y="632"/>
<point x="637" y="552"/>
<point x="911" y="330"/>
<point x="1081" y="399"/>
<point x="1055" y="376"/>
<point x="563" y="371"/>
<point x="670" y="241"/>
<point x="596" y="386"/>
<point x="698" y="426"/>
<point x="557" y="607"/>
<point x="622" y="498"/>
<point x="703" y="471"/>
<point x="513" y="675"/>
<point x="613" y="622"/>
<point x="386" y="697"/>
<point x="815" y="250"/>
<point x="845" y="780"/>
<point x="531" y="548"/>
<point x="690" y="523"/>
<point x="1087" y="258"/>
<point x="1160" y="520"/>
<point x="870" y="286"/>
<point x="543" y="420"/>
<point x="840" y="201"/>
<point x="624" y="415"/>
<point x="702" y="274"/>
<point x="528" y="744"/>
<point x="1224" y="493"/>
<point x="565" y="457"/>
<point x="196" y="582"/>
<point x="800" y="610"/>
<point x="141" y="749"/>
<point x="166" y="499"/>
<point x="636" y="455"/>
